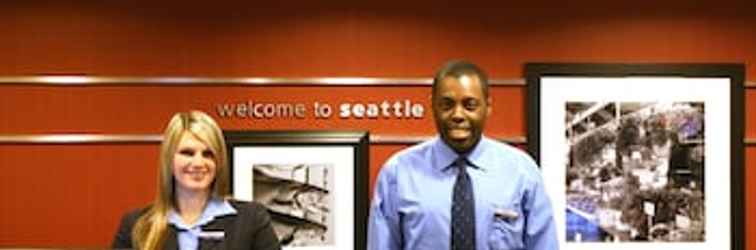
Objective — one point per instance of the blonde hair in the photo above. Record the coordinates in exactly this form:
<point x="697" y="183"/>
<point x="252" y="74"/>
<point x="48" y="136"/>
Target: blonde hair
<point x="150" y="229"/>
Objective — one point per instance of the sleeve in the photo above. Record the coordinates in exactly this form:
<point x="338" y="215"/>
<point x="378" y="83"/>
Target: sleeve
<point x="384" y="232"/>
<point x="264" y="236"/>
<point x="540" y="231"/>
<point x="122" y="239"/>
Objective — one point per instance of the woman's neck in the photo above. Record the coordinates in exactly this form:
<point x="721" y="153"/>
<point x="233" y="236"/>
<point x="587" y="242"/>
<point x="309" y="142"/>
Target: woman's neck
<point x="190" y="205"/>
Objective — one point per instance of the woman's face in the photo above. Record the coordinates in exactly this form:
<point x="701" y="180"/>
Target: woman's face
<point x="193" y="165"/>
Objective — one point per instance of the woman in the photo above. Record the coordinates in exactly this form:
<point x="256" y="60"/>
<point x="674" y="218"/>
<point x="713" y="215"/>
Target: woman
<point x="191" y="210"/>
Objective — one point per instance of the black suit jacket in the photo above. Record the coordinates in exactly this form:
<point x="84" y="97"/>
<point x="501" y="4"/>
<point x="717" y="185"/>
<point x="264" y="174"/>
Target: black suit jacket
<point x="249" y="228"/>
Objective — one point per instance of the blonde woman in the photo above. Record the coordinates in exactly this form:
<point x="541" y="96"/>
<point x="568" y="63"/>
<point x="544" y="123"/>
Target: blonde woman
<point x="191" y="210"/>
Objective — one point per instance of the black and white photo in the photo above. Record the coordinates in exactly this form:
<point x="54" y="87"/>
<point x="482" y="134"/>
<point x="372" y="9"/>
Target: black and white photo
<point x="313" y="184"/>
<point x="635" y="171"/>
<point x="298" y="197"/>
<point x="640" y="155"/>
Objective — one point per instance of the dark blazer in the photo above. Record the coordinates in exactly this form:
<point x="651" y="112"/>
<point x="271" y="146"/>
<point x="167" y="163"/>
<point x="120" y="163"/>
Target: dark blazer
<point x="249" y="228"/>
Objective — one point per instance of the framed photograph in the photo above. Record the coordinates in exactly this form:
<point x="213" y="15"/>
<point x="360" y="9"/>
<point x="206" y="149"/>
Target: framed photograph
<point x="640" y="156"/>
<point x="313" y="183"/>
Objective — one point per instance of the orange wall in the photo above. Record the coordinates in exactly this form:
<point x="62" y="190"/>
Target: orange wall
<point x="73" y="195"/>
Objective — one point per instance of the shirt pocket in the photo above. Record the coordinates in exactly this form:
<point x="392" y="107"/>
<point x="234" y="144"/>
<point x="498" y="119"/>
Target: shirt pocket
<point x="506" y="233"/>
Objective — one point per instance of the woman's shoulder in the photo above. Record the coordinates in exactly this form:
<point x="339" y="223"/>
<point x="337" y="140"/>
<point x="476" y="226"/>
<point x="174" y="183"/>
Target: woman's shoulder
<point x="243" y="207"/>
<point x="250" y="211"/>
<point x="122" y="238"/>
<point x="130" y="217"/>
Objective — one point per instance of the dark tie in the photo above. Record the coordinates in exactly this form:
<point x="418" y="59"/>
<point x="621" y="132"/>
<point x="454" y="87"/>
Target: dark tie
<point x="463" y="209"/>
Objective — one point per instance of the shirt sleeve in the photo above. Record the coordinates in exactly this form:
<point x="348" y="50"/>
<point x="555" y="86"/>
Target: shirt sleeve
<point x="540" y="233"/>
<point x="383" y="228"/>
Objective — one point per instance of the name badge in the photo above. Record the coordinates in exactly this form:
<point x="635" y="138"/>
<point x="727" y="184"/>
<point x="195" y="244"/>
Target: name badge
<point x="212" y="235"/>
<point x="506" y="214"/>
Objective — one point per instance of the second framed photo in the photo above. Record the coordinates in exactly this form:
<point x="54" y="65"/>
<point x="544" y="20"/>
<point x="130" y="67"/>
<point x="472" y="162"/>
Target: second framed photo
<point x="640" y="156"/>
<point x="313" y="183"/>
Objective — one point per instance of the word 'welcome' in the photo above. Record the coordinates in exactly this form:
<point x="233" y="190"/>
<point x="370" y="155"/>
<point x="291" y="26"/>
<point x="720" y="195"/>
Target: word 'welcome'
<point x="346" y="110"/>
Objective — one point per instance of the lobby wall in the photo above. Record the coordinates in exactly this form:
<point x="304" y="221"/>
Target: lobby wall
<point x="72" y="195"/>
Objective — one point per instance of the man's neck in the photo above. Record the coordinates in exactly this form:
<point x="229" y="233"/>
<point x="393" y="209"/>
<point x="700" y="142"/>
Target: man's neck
<point x="469" y="150"/>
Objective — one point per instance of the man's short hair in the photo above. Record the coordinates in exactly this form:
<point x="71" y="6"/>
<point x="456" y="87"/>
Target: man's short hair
<point x="457" y="69"/>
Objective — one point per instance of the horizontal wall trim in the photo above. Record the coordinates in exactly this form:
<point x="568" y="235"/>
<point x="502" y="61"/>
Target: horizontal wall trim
<point x="154" y="138"/>
<point x="72" y="80"/>
<point x="80" y="138"/>
<point x="402" y="139"/>
<point x="179" y="81"/>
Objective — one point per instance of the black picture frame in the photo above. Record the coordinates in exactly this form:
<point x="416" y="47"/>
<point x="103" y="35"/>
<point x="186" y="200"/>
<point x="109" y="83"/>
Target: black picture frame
<point x="339" y="148"/>
<point x="548" y="90"/>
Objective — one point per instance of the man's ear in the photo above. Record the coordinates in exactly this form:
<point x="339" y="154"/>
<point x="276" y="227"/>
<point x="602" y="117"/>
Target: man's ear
<point x="489" y="107"/>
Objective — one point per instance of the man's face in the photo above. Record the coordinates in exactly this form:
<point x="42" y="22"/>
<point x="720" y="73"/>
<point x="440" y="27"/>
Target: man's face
<point x="460" y="110"/>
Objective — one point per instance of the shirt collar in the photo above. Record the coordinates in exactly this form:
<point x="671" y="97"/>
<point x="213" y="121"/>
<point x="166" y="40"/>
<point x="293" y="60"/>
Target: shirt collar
<point x="215" y="207"/>
<point x="444" y="155"/>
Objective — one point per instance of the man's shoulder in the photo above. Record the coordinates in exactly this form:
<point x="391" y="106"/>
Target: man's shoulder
<point x="504" y="149"/>
<point x="419" y="151"/>
<point x="511" y="156"/>
<point x="418" y="154"/>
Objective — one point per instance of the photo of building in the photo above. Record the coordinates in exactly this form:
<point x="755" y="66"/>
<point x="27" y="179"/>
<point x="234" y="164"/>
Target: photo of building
<point x="298" y="197"/>
<point x="635" y="172"/>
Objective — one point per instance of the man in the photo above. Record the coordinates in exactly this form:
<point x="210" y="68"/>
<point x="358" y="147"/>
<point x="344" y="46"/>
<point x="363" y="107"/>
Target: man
<point x="462" y="190"/>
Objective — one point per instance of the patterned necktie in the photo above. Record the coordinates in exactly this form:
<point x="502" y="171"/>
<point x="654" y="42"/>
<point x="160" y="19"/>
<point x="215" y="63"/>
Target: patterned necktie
<point x="463" y="209"/>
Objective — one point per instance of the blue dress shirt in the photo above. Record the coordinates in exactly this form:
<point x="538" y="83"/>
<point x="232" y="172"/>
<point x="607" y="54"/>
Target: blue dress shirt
<point x="411" y="207"/>
<point x="188" y="235"/>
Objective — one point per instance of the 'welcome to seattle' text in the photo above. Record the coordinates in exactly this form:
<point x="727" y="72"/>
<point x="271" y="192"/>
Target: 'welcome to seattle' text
<point x="400" y="109"/>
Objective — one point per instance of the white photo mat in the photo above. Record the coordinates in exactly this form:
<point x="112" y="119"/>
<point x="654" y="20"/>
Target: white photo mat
<point x="340" y="157"/>
<point x="556" y="91"/>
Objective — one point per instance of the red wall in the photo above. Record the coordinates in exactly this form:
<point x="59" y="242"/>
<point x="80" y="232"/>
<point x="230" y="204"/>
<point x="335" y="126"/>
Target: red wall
<point x="58" y="195"/>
